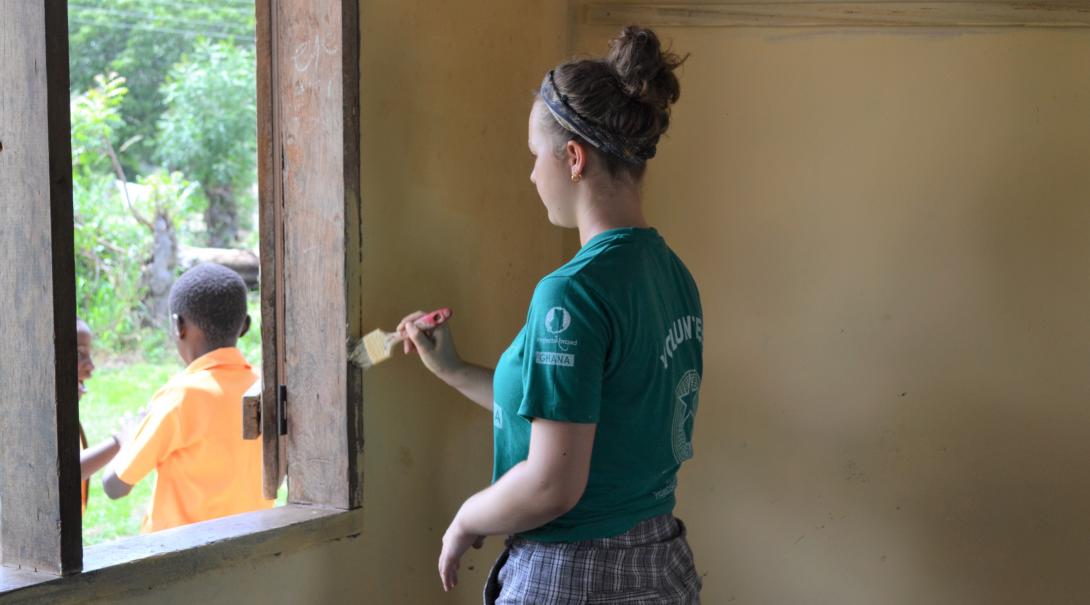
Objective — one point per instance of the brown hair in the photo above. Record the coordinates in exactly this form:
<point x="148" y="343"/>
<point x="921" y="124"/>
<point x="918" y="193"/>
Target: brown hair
<point x="627" y="93"/>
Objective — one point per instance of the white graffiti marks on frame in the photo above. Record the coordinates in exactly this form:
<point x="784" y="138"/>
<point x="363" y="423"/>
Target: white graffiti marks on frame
<point x="686" y="400"/>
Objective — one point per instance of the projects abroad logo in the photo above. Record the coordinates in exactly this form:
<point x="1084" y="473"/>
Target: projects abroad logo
<point x="557" y="320"/>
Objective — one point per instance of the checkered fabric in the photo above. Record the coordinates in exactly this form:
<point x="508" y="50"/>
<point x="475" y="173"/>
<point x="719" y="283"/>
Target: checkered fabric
<point x="649" y="564"/>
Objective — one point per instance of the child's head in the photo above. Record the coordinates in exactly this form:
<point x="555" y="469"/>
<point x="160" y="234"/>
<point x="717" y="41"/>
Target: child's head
<point x="208" y="310"/>
<point x="85" y="366"/>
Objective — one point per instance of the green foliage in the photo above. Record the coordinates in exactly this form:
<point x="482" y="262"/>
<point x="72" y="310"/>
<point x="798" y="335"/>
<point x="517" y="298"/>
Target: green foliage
<point x="96" y="118"/>
<point x="109" y="244"/>
<point x="142" y="39"/>
<point x="118" y="301"/>
<point x="171" y="193"/>
<point x="209" y="128"/>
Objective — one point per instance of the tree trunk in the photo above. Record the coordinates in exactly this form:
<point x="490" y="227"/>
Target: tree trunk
<point x="221" y="217"/>
<point x="243" y="262"/>
<point x="159" y="273"/>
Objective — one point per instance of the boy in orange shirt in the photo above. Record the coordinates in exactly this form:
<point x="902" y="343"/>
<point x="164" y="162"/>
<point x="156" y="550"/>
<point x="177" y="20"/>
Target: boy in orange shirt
<point x="192" y="434"/>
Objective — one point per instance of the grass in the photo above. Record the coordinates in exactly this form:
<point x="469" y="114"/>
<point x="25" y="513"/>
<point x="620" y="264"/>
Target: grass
<point x="119" y="386"/>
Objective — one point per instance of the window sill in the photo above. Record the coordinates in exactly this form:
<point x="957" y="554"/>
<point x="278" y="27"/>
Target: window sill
<point x="135" y="564"/>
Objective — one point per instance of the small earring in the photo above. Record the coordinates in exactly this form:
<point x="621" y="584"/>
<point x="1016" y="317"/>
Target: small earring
<point x="576" y="177"/>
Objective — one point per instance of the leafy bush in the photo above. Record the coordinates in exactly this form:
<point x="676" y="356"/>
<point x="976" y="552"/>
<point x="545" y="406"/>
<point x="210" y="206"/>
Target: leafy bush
<point x="142" y="39"/>
<point x="108" y="243"/>
<point x="209" y="131"/>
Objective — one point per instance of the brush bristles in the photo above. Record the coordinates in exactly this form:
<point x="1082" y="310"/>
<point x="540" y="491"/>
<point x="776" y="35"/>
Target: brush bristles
<point x="376" y="348"/>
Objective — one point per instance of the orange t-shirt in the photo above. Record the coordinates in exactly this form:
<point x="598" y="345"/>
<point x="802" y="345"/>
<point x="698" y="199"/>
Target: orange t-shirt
<point x="192" y="436"/>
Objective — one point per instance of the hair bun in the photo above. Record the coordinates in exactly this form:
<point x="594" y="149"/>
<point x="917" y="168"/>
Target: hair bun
<point x="643" y="69"/>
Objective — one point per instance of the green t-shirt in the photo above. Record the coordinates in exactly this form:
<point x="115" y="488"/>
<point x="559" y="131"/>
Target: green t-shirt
<point x="614" y="337"/>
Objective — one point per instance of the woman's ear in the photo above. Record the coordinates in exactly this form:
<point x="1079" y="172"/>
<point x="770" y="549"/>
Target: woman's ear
<point x="576" y="155"/>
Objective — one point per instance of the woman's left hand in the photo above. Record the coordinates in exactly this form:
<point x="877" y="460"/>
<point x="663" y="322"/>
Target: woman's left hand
<point x="455" y="543"/>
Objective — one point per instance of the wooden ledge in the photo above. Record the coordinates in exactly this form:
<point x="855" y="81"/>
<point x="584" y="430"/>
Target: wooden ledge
<point x="1042" y="13"/>
<point x="134" y="565"/>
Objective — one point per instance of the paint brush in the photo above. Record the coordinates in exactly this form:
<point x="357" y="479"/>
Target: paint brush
<point x="377" y="346"/>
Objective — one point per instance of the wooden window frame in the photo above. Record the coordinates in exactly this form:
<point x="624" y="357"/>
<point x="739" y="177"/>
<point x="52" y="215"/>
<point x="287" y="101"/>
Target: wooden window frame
<point x="832" y="13"/>
<point x="309" y="167"/>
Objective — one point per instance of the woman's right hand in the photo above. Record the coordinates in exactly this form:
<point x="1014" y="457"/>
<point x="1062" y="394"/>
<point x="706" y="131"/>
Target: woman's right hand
<point x="435" y="346"/>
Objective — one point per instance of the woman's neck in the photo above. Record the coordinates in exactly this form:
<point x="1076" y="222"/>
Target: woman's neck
<point x="615" y="207"/>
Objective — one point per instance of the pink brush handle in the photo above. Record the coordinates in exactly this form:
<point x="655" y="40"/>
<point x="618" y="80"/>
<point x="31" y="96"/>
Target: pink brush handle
<point x="434" y="319"/>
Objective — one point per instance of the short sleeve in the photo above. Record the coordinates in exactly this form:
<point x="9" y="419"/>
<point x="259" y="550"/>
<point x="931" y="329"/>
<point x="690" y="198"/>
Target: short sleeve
<point x="567" y="337"/>
<point x="158" y="435"/>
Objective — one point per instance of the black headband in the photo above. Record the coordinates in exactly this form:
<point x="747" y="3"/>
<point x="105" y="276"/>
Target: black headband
<point x="601" y="138"/>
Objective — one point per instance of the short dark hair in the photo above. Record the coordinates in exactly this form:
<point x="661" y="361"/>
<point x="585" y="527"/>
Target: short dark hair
<point x="214" y="298"/>
<point x="628" y="92"/>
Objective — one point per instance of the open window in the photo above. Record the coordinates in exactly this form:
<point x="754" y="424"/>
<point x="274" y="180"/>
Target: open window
<point x="311" y="398"/>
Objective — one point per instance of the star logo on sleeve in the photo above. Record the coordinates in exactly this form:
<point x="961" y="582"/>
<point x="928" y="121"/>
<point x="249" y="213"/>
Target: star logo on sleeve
<point x="686" y="400"/>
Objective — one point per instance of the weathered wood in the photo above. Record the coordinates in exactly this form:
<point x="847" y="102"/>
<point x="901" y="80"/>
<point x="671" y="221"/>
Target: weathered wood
<point x="119" y="570"/>
<point x="353" y="254"/>
<point x="243" y="262"/>
<point x="251" y="411"/>
<point x="39" y="437"/>
<point x="844" y="14"/>
<point x="317" y="67"/>
<point x="270" y="218"/>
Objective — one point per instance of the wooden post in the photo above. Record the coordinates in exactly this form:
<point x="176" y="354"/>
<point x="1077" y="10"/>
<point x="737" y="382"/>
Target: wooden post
<point x="316" y="67"/>
<point x="40" y="522"/>
<point x="271" y="219"/>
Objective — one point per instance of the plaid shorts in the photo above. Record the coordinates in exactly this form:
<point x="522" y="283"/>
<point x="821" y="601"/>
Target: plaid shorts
<point x="650" y="563"/>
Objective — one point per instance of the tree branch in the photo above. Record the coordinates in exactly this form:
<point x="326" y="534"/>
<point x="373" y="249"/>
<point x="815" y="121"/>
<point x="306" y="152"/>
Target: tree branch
<point x="120" y="171"/>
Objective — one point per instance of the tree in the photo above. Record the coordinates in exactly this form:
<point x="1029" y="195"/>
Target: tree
<point x="107" y="240"/>
<point x="209" y="130"/>
<point x="125" y="243"/>
<point x="142" y="39"/>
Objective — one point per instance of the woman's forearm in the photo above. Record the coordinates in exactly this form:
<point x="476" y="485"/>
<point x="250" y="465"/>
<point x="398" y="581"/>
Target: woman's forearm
<point x="518" y="502"/>
<point x="473" y="381"/>
<point x="549" y="483"/>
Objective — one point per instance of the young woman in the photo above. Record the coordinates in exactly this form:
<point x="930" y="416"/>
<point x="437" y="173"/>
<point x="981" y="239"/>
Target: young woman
<point x="593" y="403"/>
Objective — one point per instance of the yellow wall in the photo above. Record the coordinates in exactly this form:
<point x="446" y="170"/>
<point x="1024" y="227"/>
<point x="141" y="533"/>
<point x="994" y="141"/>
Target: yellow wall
<point x="891" y="232"/>
<point x="450" y="219"/>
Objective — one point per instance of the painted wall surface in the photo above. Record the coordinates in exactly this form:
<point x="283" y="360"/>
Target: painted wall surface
<point x="891" y="232"/>
<point x="450" y="219"/>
